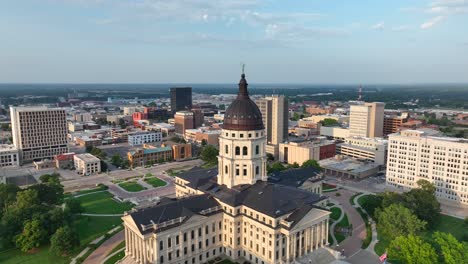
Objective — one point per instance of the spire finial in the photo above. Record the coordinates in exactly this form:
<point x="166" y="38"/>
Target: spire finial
<point x="243" y="68"/>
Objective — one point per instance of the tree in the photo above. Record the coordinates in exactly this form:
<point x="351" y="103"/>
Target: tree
<point x="296" y="116"/>
<point x="449" y="248"/>
<point x="423" y="202"/>
<point x="49" y="193"/>
<point x="412" y="250"/>
<point x="33" y="235"/>
<point x="329" y="122"/>
<point x="27" y="198"/>
<point x="64" y="241"/>
<point x="7" y="195"/>
<point x="122" y="123"/>
<point x="117" y="160"/>
<point x="397" y="220"/>
<point x="371" y="203"/>
<point x="270" y="157"/>
<point x="276" y="166"/>
<point x="295" y="165"/>
<point x="50" y="178"/>
<point x="311" y="163"/>
<point x="203" y="142"/>
<point x="73" y="205"/>
<point x="209" y="154"/>
<point x="103" y="165"/>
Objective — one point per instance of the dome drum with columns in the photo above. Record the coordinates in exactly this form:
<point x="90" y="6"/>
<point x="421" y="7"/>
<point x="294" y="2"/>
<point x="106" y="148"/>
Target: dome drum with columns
<point x="242" y="156"/>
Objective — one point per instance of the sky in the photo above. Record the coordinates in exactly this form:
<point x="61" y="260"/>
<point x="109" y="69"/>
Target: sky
<point x="207" y="41"/>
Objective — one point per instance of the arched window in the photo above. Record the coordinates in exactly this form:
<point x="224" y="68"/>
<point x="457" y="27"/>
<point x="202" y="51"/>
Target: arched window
<point x="237" y="150"/>
<point x="226" y="169"/>
<point x="257" y="170"/>
<point x="257" y="149"/>
<point x="227" y="149"/>
<point x="244" y="151"/>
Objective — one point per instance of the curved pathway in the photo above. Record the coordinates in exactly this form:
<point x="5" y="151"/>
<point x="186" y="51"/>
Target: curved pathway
<point x="352" y="244"/>
<point x="104" y="215"/>
<point x="113" y="254"/>
<point x="99" y="255"/>
<point x="332" y="227"/>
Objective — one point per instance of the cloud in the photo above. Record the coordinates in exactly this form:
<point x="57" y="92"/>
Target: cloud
<point x="432" y="22"/>
<point x="379" y="26"/>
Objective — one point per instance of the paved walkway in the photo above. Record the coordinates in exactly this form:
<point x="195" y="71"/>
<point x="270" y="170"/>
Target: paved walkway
<point x="351" y="244"/>
<point x="102" y="214"/>
<point x="103" y="250"/>
<point x="332" y="227"/>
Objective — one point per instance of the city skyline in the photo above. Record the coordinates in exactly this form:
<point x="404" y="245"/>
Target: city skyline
<point x="91" y="41"/>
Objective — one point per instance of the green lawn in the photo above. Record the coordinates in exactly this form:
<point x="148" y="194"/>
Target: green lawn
<point x="335" y="213"/>
<point x="15" y="256"/>
<point x="344" y="222"/>
<point x="92" y="227"/>
<point x="131" y="186"/>
<point x="155" y="182"/>
<point x="339" y="237"/>
<point x="88" y="228"/>
<point x="351" y="199"/>
<point x="115" y="258"/>
<point x="102" y="203"/>
<point x="100" y="188"/>
<point x="328" y="187"/>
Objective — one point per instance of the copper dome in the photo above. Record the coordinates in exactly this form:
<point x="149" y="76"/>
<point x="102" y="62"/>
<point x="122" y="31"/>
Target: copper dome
<point x="243" y="114"/>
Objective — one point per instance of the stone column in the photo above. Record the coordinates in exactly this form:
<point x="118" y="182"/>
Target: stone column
<point x="326" y="231"/>
<point x="288" y="250"/>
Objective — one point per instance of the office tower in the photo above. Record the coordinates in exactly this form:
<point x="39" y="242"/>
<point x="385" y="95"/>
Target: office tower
<point x="183" y="120"/>
<point x="366" y="120"/>
<point x="393" y="123"/>
<point x="415" y="155"/>
<point x="198" y="117"/>
<point x="181" y="99"/>
<point x="39" y="132"/>
<point x="232" y="211"/>
<point x="274" y="111"/>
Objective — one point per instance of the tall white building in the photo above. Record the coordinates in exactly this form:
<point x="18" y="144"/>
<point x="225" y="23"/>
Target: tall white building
<point x="39" y="132"/>
<point x="366" y="120"/>
<point x="275" y="117"/>
<point x="414" y="155"/>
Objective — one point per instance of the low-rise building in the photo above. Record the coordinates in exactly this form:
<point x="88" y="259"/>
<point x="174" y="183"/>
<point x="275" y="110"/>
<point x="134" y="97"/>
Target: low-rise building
<point x="370" y="149"/>
<point x="347" y="167"/>
<point x="334" y="132"/>
<point x="181" y="151"/>
<point x="339" y="118"/>
<point x="65" y="161"/>
<point x="9" y="156"/>
<point x="88" y="142"/>
<point x="301" y="151"/>
<point x="211" y="136"/>
<point x="141" y="138"/>
<point x="74" y="126"/>
<point x="318" y="110"/>
<point x="87" y="164"/>
<point x="148" y="156"/>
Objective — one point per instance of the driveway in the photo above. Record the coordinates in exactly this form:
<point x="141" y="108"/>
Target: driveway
<point x="105" y="249"/>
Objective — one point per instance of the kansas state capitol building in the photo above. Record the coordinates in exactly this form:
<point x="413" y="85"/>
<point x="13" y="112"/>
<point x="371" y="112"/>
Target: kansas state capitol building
<point x="232" y="212"/>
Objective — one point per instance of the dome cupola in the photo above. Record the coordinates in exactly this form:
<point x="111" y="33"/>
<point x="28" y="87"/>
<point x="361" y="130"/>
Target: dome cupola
<point x="243" y="114"/>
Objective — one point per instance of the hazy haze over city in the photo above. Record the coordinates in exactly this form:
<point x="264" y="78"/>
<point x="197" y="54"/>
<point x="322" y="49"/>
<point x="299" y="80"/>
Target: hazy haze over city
<point x="205" y="41"/>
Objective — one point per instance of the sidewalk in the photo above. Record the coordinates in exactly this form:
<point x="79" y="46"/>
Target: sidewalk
<point x="102" y="251"/>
